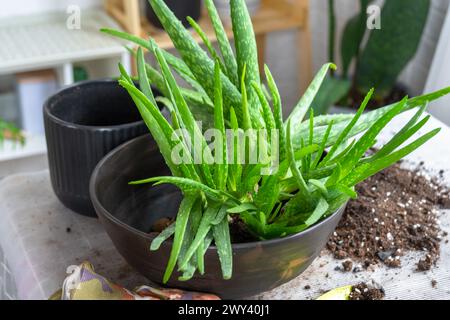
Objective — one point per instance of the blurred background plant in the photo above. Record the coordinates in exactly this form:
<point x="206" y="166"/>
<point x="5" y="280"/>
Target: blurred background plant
<point x="11" y="132"/>
<point x="378" y="56"/>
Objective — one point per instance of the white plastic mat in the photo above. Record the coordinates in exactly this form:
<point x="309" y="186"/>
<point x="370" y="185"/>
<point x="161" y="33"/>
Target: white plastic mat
<point x="38" y="245"/>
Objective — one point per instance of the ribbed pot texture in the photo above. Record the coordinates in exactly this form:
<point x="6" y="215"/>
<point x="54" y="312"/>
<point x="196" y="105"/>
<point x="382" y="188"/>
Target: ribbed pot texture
<point x="82" y="124"/>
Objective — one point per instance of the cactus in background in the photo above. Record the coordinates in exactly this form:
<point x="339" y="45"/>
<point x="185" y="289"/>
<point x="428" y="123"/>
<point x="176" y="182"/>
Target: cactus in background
<point x="389" y="50"/>
<point x="379" y="63"/>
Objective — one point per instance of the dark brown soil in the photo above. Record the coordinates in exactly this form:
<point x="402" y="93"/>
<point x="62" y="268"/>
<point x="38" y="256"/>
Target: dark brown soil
<point x="347" y="265"/>
<point x="239" y="232"/>
<point x="363" y="291"/>
<point x="161" y="224"/>
<point x="396" y="212"/>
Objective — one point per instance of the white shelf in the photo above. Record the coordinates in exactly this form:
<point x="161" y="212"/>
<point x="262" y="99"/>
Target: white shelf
<point x="44" y="41"/>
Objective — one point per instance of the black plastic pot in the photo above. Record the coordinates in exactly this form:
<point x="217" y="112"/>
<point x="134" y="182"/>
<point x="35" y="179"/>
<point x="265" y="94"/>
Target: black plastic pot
<point x="82" y="124"/>
<point x="128" y="212"/>
<point x="181" y="8"/>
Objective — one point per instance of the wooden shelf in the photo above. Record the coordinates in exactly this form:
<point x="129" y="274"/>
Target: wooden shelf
<point x="272" y="16"/>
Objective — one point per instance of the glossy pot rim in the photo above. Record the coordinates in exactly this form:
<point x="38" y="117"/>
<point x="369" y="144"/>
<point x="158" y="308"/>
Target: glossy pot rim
<point x="101" y="210"/>
<point x="51" y="100"/>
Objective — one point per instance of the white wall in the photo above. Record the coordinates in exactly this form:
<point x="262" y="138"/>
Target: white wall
<point x="415" y="74"/>
<point x="26" y="7"/>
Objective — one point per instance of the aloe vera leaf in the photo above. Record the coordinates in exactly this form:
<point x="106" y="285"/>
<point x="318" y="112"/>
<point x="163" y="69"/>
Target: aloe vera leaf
<point x="368" y="119"/>
<point x="143" y="79"/>
<point x="169" y="105"/>
<point x="290" y="184"/>
<point x="156" y="131"/>
<point x="203" y="229"/>
<point x="319" y="186"/>
<point x="366" y="170"/>
<point x="220" y="215"/>
<point x="331" y="92"/>
<point x="187" y="185"/>
<point x="325" y="120"/>
<point x="126" y="36"/>
<point x="246" y="118"/>
<point x="305" y="102"/>
<point x="349" y="191"/>
<point x="201" y="251"/>
<point x="404" y="134"/>
<point x="223" y="243"/>
<point x="246" y="54"/>
<point x="224" y="44"/>
<point x="193" y="55"/>
<point x="188" y="119"/>
<point x="221" y="169"/>
<point x="189" y="271"/>
<point x="235" y="170"/>
<point x="349" y="127"/>
<point x="163" y="236"/>
<point x="322" y="147"/>
<point x="180" y="229"/>
<point x="277" y="111"/>
<point x="206" y="42"/>
<point x="298" y="155"/>
<point x="161" y="130"/>
<point x="200" y="258"/>
<point x="191" y="230"/>
<point x="267" y="112"/>
<point x="319" y="211"/>
<point x="267" y="195"/>
<point x="310" y="140"/>
<point x="303" y="188"/>
<point x="242" y="207"/>
<point x="367" y="140"/>
<point x="179" y="66"/>
<point x="335" y="176"/>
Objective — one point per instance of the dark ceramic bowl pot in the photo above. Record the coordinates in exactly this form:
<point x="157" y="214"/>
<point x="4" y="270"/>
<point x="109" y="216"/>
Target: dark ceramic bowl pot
<point x="128" y="212"/>
<point x="181" y="8"/>
<point x="82" y="124"/>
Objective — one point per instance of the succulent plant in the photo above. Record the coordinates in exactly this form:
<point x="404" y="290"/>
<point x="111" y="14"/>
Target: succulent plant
<point x="379" y="61"/>
<point x="314" y="163"/>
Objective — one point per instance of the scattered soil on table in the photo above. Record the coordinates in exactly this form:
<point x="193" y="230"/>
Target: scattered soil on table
<point x="347" y="265"/>
<point x="396" y="212"/>
<point x="433" y="283"/>
<point x="363" y="291"/>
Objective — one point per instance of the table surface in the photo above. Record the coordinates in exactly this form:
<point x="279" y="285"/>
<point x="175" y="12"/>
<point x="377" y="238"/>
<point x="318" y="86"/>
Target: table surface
<point x="35" y="237"/>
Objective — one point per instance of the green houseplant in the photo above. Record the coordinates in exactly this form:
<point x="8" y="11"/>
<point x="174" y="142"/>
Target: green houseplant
<point x="379" y="60"/>
<point x="10" y="131"/>
<point x="295" y="186"/>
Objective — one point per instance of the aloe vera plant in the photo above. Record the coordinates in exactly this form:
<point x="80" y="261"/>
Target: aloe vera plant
<point x="313" y="165"/>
